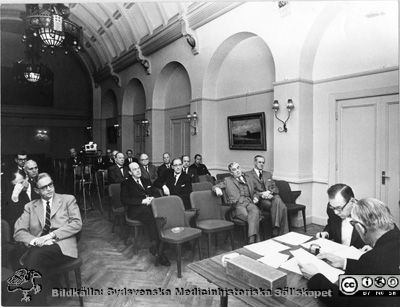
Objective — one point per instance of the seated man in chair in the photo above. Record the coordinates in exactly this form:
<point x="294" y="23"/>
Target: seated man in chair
<point x="241" y="195"/>
<point x="269" y="199"/>
<point x="48" y="227"/>
<point x="136" y="195"/>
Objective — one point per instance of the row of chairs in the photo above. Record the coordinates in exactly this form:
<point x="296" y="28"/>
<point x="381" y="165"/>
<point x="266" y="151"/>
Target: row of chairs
<point x="175" y="224"/>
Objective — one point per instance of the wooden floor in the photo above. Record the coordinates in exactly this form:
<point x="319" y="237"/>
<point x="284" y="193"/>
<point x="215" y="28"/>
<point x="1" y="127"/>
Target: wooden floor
<point x="109" y="263"/>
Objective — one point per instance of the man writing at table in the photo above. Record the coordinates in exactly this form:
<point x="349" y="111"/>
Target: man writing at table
<point x="339" y="229"/>
<point x="375" y="225"/>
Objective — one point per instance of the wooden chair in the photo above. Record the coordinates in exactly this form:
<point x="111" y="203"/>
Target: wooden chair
<point x="220" y="177"/>
<point x="202" y="186"/>
<point x="135" y="225"/>
<point x="173" y="225"/>
<point x="289" y="197"/>
<point x="206" y="178"/>
<point x="209" y="219"/>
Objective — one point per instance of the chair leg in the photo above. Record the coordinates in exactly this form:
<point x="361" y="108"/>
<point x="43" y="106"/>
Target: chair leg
<point x="231" y="238"/>
<point x="114" y="222"/>
<point x="178" y="260"/>
<point x="208" y="244"/>
<point x="199" y="246"/>
<point x="216" y="240"/>
<point x="289" y="223"/>
<point x="245" y="239"/>
<point x="135" y="242"/>
<point x="66" y="278"/>
<point x="303" y="211"/>
<point x="79" y="284"/>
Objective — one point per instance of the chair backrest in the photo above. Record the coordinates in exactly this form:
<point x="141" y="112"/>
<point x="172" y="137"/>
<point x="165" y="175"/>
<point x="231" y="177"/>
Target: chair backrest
<point x="208" y="203"/>
<point x="220" y="177"/>
<point x="285" y="192"/>
<point x="114" y="190"/>
<point x="5" y="231"/>
<point x="205" y="178"/>
<point x="171" y="208"/>
<point x="202" y="186"/>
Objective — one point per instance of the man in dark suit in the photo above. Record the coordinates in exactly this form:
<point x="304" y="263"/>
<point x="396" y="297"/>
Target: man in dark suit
<point x="136" y="194"/>
<point x="118" y="172"/>
<point x="165" y="168"/>
<point x="268" y="195"/>
<point x="339" y="209"/>
<point x="108" y="159"/>
<point x="240" y="194"/>
<point x="149" y="171"/>
<point x="48" y="227"/>
<point x="199" y="168"/>
<point x="23" y="193"/>
<point x="372" y="220"/>
<point x="186" y="169"/>
<point x="130" y="158"/>
<point x="176" y="183"/>
<point x="20" y="159"/>
<point x="99" y="162"/>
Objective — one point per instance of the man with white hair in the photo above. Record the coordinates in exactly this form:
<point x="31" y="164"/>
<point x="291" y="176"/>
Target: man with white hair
<point x="374" y="223"/>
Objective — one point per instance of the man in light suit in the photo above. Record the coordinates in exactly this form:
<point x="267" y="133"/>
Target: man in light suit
<point x="240" y="193"/>
<point x="118" y="172"/>
<point x="149" y="171"/>
<point x="176" y="183"/>
<point x="48" y="227"/>
<point x="268" y="195"/>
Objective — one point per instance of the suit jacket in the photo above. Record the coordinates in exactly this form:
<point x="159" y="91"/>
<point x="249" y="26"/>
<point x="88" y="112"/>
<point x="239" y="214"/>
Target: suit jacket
<point x="334" y="228"/>
<point x="133" y="193"/>
<point x="192" y="173"/>
<point x="65" y="222"/>
<point x="108" y="161"/>
<point x="258" y="185"/>
<point x="126" y="163"/>
<point x="384" y="258"/>
<point x="115" y="175"/>
<point x="182" y="188"/>
<point x="199" y="170"/>
<point x="232" y="191"/>
<point x="162" y="170"/>
<point x="99" y="164"/>
<point x="151" y="174"/>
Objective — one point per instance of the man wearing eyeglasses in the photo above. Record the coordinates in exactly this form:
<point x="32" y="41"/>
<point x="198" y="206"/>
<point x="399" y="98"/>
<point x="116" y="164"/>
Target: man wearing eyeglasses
<point x="176" y="183"/>
<point x="339" y="229"/>
<point x="373" y="221"/>
<point x="48" y="227"/>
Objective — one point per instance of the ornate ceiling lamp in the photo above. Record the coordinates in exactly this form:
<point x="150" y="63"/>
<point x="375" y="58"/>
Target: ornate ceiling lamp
<point x="49" y="25"/>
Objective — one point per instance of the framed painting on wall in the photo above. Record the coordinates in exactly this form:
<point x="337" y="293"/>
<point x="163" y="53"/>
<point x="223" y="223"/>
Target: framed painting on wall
<point x="247" y="132"/>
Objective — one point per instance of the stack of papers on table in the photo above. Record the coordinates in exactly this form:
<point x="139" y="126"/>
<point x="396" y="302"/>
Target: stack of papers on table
<point x="293" y="238"/>
<point x="328" y="246"/>
<point x="267" y="247"/>
<point x="325" y="269"/>
<point x="274" y="259"/>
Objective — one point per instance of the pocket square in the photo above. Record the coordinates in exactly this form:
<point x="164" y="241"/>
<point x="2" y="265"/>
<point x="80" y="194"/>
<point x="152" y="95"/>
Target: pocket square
<point x="149" y="186"/>
<point x="183" y="185"/>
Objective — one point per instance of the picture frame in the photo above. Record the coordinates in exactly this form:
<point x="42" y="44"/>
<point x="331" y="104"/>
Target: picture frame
<point x="247" y="132"/>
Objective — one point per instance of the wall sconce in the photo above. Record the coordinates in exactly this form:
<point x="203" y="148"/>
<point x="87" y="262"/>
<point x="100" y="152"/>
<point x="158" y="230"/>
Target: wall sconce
<point x="192" y="119"/>
<point x="42" y="135"/>
<point x="290" y="107"/>
<point x="117" y="129"/>
<point x="145" y="125"/>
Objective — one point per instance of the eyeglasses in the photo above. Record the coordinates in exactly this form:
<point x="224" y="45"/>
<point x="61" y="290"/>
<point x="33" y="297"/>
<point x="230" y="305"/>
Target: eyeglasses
<point x="47" y="186"/>
<point x="340" y="209"/>
<point x="24" y="159"/>
<point x="180" y="164"/>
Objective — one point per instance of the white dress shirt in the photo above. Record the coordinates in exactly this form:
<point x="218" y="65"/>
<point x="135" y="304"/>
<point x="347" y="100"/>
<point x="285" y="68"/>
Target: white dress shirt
<point x="347" y="231"/>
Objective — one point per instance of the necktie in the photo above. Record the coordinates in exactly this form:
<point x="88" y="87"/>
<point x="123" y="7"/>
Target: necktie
<point x="46" y="228"/>
<point x="147" y="168"/>
<point x="176" y="179"/>
<point x="121" y="168"/>
<point x="260" y="175"/>
<point x="241" y="179"/>
<point x="139" y="183"/>
<point x="167" y="165"/>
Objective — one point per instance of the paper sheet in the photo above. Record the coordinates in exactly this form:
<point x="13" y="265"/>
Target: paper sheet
<point x="291" y="265"/>
<point x="267" y="247"/>
<point x="328" y="246"/>
<point x="274" y="259"/>
<point x="293" y="238"/>
<point x="325" y="269"/>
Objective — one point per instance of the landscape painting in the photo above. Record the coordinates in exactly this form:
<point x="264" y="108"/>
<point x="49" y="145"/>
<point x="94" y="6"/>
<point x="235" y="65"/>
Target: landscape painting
<point x="247" y="132"/>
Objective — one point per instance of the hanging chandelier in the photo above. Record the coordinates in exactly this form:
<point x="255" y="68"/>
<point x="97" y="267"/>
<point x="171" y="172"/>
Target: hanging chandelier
<point x="28" y="72"/>
<point x="48" y="24"/>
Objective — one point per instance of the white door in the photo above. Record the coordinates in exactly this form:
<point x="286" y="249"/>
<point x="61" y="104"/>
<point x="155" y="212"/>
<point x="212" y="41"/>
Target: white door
<point x="180" y="137"/>
<point x="367" y="152"/>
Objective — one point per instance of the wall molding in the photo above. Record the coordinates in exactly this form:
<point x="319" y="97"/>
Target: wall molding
<point x="295" y="80"/>
<point x="168" y="109"/>
<point x="249" y="94"/>
<point x="43" y="113"/>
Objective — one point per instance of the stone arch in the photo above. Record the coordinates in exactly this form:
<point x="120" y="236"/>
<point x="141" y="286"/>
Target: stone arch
<point x="134" y="98"/>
